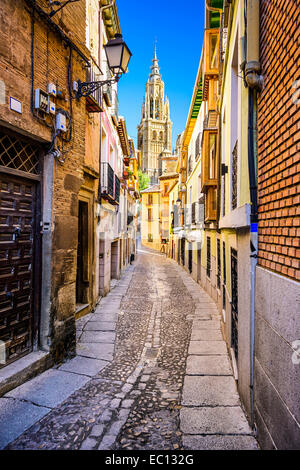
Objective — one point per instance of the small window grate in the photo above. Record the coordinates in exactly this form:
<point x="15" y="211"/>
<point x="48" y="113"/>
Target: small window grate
<point x="19" y="154"/>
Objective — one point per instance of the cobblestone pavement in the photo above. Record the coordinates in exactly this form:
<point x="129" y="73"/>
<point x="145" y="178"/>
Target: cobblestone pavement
<point x="135" y="401"/>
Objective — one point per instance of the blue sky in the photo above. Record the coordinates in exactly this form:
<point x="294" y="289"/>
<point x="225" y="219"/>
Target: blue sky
<point x="178" y="27"/>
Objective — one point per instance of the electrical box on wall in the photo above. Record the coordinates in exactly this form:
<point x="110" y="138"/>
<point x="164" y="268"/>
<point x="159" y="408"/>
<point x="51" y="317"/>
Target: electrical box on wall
<point x="61" y="122"/>
<point x="52" y="107"/>
<point x="52" y="89"/>
<point x="41" y="100"/>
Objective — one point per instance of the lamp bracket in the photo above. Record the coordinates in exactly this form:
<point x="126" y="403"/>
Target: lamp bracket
<point x="87" y="88"/>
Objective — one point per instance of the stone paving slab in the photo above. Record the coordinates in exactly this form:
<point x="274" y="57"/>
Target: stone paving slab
<point x="207" y="348"/>
<point x="206" y="325"/>
<point x="208" y="365"/>
<point x="210" y="391"/>
<point x="98" y="337"/>
<point x="96" y="350"/>
<point x="206" y="335"/>
<point x="219" y="443"/>
<point x="105" y="317"/>
<point x="84" y="365"/>
<point x="50" y="388"/>
<point x="100" y="326"/>
<point x="214" y="420"/>
<point x="17" y="416"/>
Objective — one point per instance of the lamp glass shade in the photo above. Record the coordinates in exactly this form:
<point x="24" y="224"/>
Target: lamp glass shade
<point x="118" y="55"/>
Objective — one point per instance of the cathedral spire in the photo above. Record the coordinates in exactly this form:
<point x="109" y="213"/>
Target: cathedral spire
<point x="155" y="74"/>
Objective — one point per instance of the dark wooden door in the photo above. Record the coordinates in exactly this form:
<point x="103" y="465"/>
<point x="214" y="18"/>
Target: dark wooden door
<point x="18" y="249"/>
<point x="234" y="302"/>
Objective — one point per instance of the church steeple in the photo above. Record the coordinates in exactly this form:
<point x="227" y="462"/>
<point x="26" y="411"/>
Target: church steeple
<point x="155" y="74"/>
<point x="155" y="129"/>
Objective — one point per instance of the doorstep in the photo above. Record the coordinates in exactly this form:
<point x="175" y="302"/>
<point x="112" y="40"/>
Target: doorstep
<point x="23" y="369"/>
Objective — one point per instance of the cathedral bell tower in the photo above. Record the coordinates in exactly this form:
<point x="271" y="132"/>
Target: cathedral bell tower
<point x="155" y="129"/>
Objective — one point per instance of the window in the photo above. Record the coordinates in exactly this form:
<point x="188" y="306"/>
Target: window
<point x="166" y="188"/>
<point x="224" y="276"/>
<point x="161" y="136"/>
<point x="154" y="135"/>
<point x="150" y="237"/>
<point x="197" y="147"/>
<point x="151" y="108"/>
<point x="190" y="164"/>
<point x="208" y="258"/>
<point x="212" y="156"/>
<point x="219" y="264"/>
<point x="157" y="109"/>
<point x="149" y="215"/>
<point x="150" y="199"/>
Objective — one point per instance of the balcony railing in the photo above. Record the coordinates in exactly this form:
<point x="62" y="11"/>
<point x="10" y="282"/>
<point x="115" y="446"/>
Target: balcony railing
<point x="210" y="121"/>
<point x="117" y="189"/>
<point x="93" y="101"/>
<point x="110" y="184"/>
<point x="114" y="110"/>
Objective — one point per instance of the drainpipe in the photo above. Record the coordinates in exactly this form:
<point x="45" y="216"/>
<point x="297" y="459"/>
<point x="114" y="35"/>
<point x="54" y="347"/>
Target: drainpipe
<point x="253" y="235"/>
<point x="255" y="83"/>
<point x="253" y="77"/>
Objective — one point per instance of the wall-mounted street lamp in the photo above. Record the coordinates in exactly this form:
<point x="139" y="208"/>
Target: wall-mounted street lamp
<point x="118" y="56"/>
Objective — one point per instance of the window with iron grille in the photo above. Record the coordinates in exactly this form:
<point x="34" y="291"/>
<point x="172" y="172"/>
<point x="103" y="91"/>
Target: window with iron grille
<point x="234" y="177"/>
<point x="107" y="179"/>
<point x="117" y="189"/>
<point x="208" y="257"/>
<point x="219" y="264"/>
<point x="234" y="302"/>
<point x="197" y="147"/>
<point x="194" y="212"/>
<point x="224" y="277"/>
<point x="150" y="237"/>
<point x="182" y="250"/>
<point x="19" y="154"/>
<point x="190" y="164"/>
<point x="223" y="195"/>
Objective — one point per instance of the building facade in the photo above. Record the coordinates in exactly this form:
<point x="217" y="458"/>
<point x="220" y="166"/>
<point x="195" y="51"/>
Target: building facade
<point x="64" y="192"/>
<point x="237" y="207"/>
<point x="277" y="300"/>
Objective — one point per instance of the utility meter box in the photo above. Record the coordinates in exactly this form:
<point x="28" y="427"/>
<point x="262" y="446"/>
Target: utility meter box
<point x="61" y="122"/>
<point x="52" y="107"/>
<point x="41" y="100"/>
<point x="52" y="89"/>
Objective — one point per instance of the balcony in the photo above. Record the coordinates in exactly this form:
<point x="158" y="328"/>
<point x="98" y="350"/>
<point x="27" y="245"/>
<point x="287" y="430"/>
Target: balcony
<point x="110" y="184"/>
<point x="93" y="101"/>
<point x="209" y="162"/>
<point x="211" y="205"/>
<point x="211" y="121"/>
<point x="211" y="57"/>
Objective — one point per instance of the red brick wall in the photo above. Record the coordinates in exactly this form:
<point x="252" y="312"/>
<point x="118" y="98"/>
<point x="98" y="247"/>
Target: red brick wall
<point x="279" y="138"/>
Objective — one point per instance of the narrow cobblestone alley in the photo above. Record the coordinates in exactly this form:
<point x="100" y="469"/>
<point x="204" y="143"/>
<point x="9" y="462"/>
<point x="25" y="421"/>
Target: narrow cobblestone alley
<point x="152" y="373"/>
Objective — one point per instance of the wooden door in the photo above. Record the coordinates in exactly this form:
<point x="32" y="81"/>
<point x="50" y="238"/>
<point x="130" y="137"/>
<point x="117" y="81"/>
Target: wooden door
<point x="19" y="241"/>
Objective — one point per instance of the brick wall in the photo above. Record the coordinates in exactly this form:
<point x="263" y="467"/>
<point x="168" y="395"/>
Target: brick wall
<point x="51" y="58"/>
<point x="279" y="138"/>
